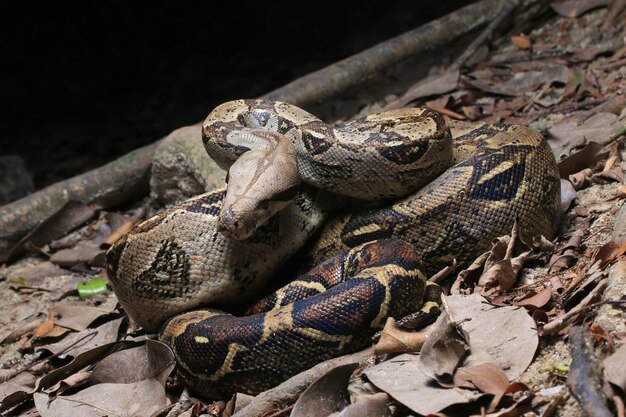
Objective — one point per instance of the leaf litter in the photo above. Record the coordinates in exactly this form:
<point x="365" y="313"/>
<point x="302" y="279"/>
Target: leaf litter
<point x="564" y="78"/>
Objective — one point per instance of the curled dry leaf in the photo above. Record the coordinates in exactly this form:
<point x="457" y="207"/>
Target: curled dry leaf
<point x="609" y="252"/>
<point x="566" y="256"/>
<point x="444" y="350"/>
<point x="16" y="390"/>
<point x="538" y="300"/>
<point x="373" y="405"/>
<point x="152" y="360"/>
<point x="571" y="134"/>
<point x="496" y="271"/>
<point x="587" y="157"/>
<point x="395" y="340"/>
<point x="503" y="336"/>
<point x="487" y="377"/>
<point x="124" y="400"/>
<point x="324" y="395"/>
<point x="72" y="381"/>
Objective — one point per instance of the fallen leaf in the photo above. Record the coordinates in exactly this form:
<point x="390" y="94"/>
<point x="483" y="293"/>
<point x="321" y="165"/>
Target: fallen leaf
<point x="323" y="396"/>
<point x="36" y="275"/>
<point x="444" y="350"/>
<point x="72" y="381"/>
<point x="570" y="134"/>
<point x="521" y="41"/>
<point x="395" y="340"/>
<point x="505" y="336"/>
<point x="152" y="360"/>
<point x="538" y="300"/>
<point x="575" y="8"/>
<point x="46" y="327"/>
<point x="614" y="366"/>
<point x="123" y="400"/>
<point x="68" y="218"/>
<point x="86" y="253"/>
<point x="16" y="390"/>
<point x="430" y="86"/>
<point x="608" y="253"/>
<point x="88" y="339"/>
<point x="519" y="83"/>
<point x="487" y="377"/>
<point x="79" y="362"/>
<point x="79" y="316"/>
<point x="587" y="157"/>
<point x="373" y="405"/>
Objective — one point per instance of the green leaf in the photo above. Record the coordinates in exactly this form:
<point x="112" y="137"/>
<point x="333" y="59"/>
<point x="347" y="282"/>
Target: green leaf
<point x="93" y="287"/>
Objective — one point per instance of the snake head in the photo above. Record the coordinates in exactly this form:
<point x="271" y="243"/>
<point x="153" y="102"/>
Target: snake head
<point x="261" y="182"/>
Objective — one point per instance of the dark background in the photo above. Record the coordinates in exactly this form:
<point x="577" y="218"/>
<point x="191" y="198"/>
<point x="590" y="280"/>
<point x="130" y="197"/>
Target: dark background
<point x="85" y="82"/>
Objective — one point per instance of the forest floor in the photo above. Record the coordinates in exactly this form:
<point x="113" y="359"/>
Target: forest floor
<point x="67" y="348"/>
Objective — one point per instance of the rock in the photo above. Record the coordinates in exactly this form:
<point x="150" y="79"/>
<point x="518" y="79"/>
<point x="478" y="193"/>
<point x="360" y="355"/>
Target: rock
<point x="15" y="180"/>
<point x="182" y="169"/>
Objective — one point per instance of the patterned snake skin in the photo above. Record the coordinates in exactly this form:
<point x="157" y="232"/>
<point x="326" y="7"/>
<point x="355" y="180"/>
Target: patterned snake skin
<point x="179" y="260"/>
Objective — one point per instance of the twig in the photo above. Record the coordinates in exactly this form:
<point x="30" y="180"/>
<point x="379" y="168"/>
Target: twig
<point x="559" y="324"/>
<point x="616" y="8"/>
<point x="585" y="375"/>
<point x="288" y="391"/>
<point x="14" y="373"/>
<point x="132" y="169"/>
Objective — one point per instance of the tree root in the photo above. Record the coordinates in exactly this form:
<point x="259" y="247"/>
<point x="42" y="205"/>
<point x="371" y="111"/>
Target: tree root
<point x="119" y="180"/>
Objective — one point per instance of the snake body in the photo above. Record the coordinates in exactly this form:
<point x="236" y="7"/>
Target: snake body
<point x="179" y="260"/>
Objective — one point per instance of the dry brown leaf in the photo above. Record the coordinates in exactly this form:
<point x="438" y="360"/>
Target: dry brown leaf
<point x="505" y="336"/>
<point x="538" y="300"/>
<point x="373" y="405"/>
<point x="614" y="366"/>
<point x="46" y="327"/>
<point x="566" y="256"/>
<point x="395" y="340"/>
<point x="521" y="41"/>
<point x="16" y="390"/>
<point x="609" y="252"/>
<point x="123" y="400"/>
<point x="444" y="350"/>
<point x="570" y="134"/>
<point x="79" y="316"/>
<point x="86" y="340"/>
<point x="72" y="381"/>
<point x="496" y="271"/>
<point x="487" y="377"/>
<point x="575" y="8"/>
<point x="522" y="82"/>
<point x="152" y="360"/>
<point x="323" y="396"/>
<point x="68" y="218"/>
<point x="80" y="362"/>
<point x="402" y="379"/>
<point x="86" y="253"/>
<point x="587" y="157"/>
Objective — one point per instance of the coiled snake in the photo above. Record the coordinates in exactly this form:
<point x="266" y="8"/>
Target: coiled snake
<point x="220" y="248"/>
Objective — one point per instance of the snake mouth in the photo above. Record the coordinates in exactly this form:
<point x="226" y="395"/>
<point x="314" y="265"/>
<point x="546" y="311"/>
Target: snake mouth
<point x="233" y="225"/>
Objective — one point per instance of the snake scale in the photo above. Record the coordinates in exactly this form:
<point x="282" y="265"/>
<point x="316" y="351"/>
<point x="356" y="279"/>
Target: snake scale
<point x="441" y="192"/>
